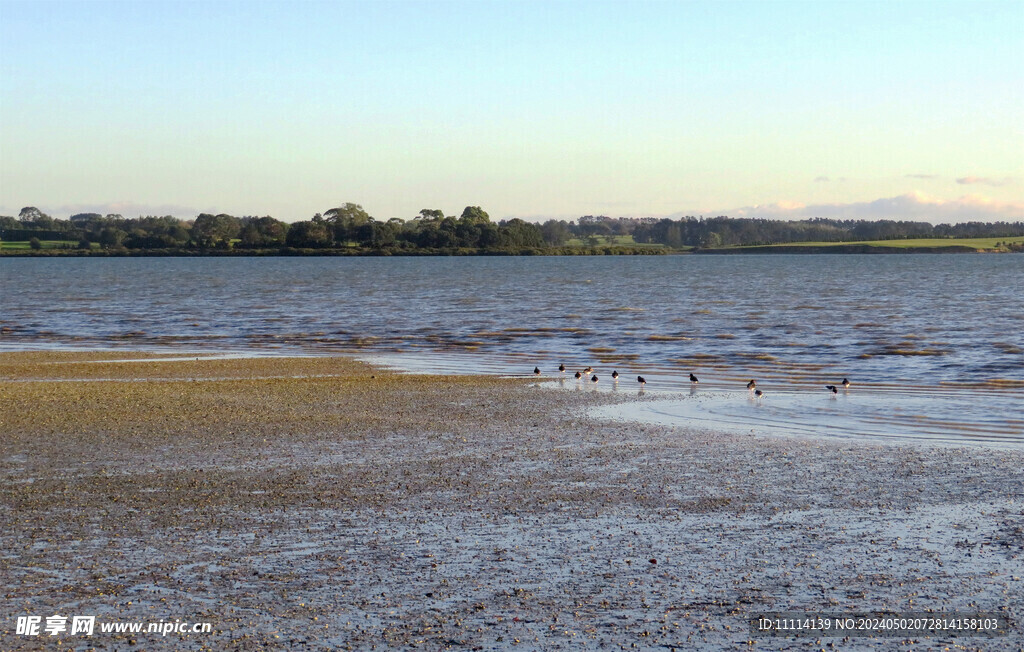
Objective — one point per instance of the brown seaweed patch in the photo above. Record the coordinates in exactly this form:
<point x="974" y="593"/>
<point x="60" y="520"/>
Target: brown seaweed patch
<point x="868" y="324"/>
<point x="530" y="331"/>
<point x="1004" y="382"/>
<point x="668" y="338"/>
<point x="758" y="356"/>
<point x="1006" y="347"/>
<point x="725" y="336"/>
<point x="896" y="350"/>
<point x="363" y="341"/>
<point x="601" y="349"/>
<point x="697" y="358"/>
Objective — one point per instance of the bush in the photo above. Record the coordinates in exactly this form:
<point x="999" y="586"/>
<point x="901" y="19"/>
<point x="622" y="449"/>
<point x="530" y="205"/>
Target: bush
<point x="35" y="244"/>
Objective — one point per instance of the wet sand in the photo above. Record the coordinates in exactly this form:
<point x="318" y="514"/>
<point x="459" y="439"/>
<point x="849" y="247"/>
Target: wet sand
<point x="321" y="503"/>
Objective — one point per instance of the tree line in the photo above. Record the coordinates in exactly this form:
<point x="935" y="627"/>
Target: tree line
<point x="350" y="228"/>
<point x="344" y="227"/>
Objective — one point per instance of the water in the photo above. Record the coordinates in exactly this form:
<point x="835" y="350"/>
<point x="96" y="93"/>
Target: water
<point x="936" y="336"/>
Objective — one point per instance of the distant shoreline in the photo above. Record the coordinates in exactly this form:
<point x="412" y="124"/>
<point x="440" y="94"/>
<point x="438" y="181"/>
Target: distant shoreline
<point x="613" y="251"/>
<point x="848" y="249"/>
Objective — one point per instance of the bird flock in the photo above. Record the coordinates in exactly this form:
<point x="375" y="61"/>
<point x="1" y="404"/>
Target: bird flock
<point x="588" y="373"/>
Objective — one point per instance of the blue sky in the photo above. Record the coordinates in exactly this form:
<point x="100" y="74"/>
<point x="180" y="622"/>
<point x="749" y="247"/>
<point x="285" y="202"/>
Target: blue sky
<point x="528" y="109"/>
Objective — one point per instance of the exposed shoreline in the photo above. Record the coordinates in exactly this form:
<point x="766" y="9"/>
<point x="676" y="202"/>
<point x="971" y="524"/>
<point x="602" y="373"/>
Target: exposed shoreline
<point x="353" y="507"/>
<point x="600" y="251"/>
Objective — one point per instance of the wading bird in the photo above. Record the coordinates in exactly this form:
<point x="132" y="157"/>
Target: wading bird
<point x="615" y="375"/>
<point x="758" y="393"/>
<point x="593" y="378"/>
<point x="641" y="380"/>
<point x="536" y="371"/>
<point x="752" y="385"/>
<point x="832" y="388"/>
<point x="693" y="379"/>
<point x="845" y="383"/>
<point x="578" y="375"/>
<point x="561" y="368"/>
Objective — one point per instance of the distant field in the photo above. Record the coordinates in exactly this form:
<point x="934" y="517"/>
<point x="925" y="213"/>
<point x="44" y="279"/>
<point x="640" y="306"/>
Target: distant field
<point x="610" y="241"/>
<point x="977" y="243"/>
<point x="47" y="244"/>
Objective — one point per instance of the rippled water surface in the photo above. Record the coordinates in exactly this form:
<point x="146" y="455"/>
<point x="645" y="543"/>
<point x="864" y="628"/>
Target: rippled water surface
<point x="897" y="325"/>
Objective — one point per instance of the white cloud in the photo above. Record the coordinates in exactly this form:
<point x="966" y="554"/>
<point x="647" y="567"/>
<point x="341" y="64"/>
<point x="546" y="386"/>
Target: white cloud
<point x="985" y="181"/>
<point x="123" y="208"/>
<point x="915" y="206"/>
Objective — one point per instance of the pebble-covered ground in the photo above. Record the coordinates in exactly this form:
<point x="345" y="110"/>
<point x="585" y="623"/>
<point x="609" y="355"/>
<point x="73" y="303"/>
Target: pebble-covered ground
<point x="318" y="503"/>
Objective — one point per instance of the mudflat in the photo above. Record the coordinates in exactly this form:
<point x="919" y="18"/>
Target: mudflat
<point x="321" y="503"/>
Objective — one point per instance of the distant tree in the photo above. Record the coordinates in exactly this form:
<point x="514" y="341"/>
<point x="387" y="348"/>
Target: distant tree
<point x="430" y="214"/>
<point x="346" y="220"/>
<point x="555" y="232"/>
<point x="34" y="216"/>
<point x="516" y="233"/>
<point x="309" y="235"/>
<point x="263" y="232"/>
<point x="490" y="236"/>
<point x="215" y="230"/>
<point x="111" y="237"/>
<point x="711" y="240"/>
<point x="475" y="215"/>
<point x="674" y="236"/>
<point x="34" y="243"/>
<point x="378" y="234"/>
<point x="78" y="218"/>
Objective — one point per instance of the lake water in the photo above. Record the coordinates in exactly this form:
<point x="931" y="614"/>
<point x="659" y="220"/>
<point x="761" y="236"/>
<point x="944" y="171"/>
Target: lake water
<point x="933" y="344"/>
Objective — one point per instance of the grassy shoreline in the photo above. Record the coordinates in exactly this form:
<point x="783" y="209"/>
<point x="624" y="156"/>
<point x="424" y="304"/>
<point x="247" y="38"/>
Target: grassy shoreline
<point x="930" y="245"/>
<point x="326" y="504"/>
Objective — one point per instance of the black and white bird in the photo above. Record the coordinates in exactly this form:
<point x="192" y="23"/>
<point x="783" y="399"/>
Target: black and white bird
<point x="615" y="375"/>
<point x="832" y="388"/>
<point x="758" y="393"/>
<point x="845" y="383"/>
<point x="536" y="371"/>
<point x="561" y="368"/>
<point x="641" y="380"/>
<point x="693" y="379"/>
<point x="578" y="375"/>
<point x="752" y="385"/>
<point x="588" y="370"/>
<point x="593" y="378"/>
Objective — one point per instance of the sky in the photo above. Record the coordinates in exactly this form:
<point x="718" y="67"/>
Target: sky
<point x="537" y="110"/>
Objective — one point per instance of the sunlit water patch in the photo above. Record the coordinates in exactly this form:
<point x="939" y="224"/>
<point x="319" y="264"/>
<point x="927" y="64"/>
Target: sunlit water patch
<point x="950" y="416"/>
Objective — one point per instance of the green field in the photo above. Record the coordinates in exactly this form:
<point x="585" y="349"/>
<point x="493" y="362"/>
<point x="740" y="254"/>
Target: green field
<point x="976" y="243"/>
<point x="610" y="241"/>
<point x="47" y="244"/>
